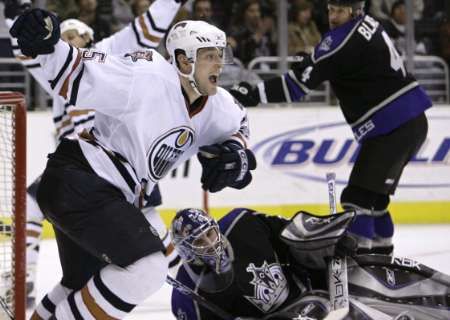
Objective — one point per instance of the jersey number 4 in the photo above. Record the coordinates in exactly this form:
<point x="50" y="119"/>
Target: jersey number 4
<point x="396" y="60"/>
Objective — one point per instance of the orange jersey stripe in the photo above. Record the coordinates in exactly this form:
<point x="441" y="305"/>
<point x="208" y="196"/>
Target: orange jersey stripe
<point x="145" y="31"/>
<point x="93" y="307"/>
<point x="65" y="86"/>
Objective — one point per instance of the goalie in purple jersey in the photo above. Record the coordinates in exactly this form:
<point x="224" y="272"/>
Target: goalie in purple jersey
<point x="254" y="266"/>
<point x="384" y="105"/>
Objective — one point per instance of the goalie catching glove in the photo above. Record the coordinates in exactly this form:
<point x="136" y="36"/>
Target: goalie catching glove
<point x="312" y="239"/>
<point x="37" y="31"/>
<point x="226" y="165"/>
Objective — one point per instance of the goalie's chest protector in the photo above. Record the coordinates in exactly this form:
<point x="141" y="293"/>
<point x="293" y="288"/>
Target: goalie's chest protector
<point x="260" y="285"/>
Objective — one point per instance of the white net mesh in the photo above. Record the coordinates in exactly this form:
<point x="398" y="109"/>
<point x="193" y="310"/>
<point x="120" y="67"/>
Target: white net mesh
<point x="7" y="195"/>
<point x="12" y="205"/>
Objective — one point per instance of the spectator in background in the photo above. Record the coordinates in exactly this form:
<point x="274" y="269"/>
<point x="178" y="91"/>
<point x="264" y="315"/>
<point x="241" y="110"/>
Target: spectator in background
<point x="396" y="26"/>
<point x="249" y="36"/>
<point x="302" y="30"/>
<point x="320" y="14"/>
<point x="65" y="9"/>
<point x="122" y="13"/>
<point x="444" y="39"/>
<point x="382" y="8"/>
<point x="138" y="7"/>
<point x="88" y="14"/>
<point x="434" y="9"/>
<point x="202" y="10"/>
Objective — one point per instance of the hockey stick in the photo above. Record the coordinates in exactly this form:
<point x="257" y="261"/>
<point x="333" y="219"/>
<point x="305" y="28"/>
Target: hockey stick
<point x="337" y="269"/>
<point x="199" y="299"/>
<point x="5" y="308"/>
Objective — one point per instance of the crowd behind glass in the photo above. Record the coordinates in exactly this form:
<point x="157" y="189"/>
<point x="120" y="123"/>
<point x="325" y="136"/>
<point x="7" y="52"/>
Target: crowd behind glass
<point x="251" y="25"/>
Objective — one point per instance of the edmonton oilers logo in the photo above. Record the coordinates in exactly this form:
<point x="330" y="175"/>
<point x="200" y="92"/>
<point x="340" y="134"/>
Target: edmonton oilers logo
<point x="167" y="149"/>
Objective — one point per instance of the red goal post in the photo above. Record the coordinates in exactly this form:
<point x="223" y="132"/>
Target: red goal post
<point x="12" y="205"/>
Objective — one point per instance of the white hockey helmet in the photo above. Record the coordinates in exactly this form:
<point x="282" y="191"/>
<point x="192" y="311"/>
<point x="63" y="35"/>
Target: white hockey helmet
<point x="188" y="37"/>
<point x="79" y="26"/>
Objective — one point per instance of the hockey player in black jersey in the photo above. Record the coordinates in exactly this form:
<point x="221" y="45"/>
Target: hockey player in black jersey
<point x="254" y="266"/>
<point x="380" y="100"/>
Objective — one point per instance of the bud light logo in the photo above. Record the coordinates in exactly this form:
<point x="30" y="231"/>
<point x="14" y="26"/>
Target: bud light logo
<point x="309" y="152"/>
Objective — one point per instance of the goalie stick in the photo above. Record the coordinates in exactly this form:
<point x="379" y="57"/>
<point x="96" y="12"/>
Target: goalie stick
<point x="199" y="299"/>
<point x="337" y="269"/>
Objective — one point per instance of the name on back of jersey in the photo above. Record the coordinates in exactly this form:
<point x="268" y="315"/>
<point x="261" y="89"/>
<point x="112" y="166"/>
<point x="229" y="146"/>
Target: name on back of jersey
<point x="368" y="27"/>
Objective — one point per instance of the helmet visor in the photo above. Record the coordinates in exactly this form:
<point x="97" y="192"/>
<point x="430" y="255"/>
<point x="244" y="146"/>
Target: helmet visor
<point x="215" y="55"/>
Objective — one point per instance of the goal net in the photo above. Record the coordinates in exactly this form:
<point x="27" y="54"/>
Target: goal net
<point x="12" y="205"/>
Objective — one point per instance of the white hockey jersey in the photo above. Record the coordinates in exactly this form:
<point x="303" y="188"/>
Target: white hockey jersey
<point x="146" y="31"/>
<point x="142" y="118"/>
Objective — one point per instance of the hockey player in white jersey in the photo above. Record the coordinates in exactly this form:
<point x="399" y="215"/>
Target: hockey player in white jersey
<point x="151" y="116"/>
<point x="146" y="31"/>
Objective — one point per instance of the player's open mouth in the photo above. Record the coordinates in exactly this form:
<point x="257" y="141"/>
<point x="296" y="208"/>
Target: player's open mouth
<point x="213" y="79"/>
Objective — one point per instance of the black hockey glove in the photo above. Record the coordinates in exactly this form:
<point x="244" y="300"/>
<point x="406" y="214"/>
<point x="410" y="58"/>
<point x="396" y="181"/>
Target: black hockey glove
<point x="245" y="94"/>
<point x="302" y="60"/>
<point x="14" y="8"/>
<point x="37" y="32"/>
<point x="226" y="165"/>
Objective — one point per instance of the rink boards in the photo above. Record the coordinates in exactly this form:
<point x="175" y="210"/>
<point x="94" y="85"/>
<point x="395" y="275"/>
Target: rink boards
<point x="295" y="147"/>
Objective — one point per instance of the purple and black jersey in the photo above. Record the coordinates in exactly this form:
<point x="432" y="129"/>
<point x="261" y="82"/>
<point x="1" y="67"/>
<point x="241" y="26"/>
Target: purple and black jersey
<point x="367" y="74"/>
<point x="262" y="282"/>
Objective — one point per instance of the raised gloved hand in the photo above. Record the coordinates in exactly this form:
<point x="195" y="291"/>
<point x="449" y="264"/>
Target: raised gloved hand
<point x="14" y="8"/>
<point x="37" y="31"/>
<point x="301" y="61"/>
<point x="245" y="94"/>
<point x="226" y="165"/>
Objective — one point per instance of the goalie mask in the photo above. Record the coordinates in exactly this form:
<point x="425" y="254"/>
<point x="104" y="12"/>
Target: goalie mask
<point x="198" y="240"/>
<point x="187" y="37"/>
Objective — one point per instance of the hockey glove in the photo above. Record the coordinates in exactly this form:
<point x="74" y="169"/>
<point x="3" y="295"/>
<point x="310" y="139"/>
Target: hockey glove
<point x="226" y="165"/>
<point x="302" y="60"/>
<point x="14" y="8"/>
<point x="37" y="32"/>
<point x="245" y="94"/>
<point x="314" y="239"/>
